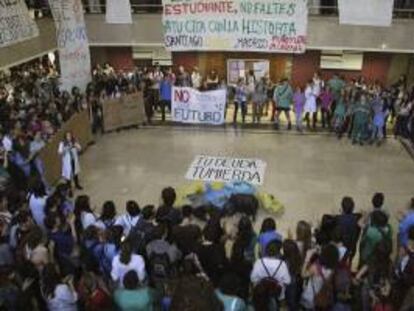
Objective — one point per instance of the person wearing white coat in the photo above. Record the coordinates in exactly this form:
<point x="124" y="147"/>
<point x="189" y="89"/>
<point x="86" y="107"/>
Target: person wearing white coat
<point x="68" y="150"/>
<point x="310" y="105"/>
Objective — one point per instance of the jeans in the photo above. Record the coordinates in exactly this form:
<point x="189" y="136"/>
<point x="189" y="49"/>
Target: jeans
<point x="377" y="133"/>
<point x="257" y="112"/>
<point x="243" y="106"/>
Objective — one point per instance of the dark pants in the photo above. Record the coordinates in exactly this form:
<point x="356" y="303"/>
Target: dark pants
<point x="307" y="119"/>
<point x="243" y="106"/>
<point x="326" y="117"/>
<point x="149" y="112"/>
<point x="165" y="103"/>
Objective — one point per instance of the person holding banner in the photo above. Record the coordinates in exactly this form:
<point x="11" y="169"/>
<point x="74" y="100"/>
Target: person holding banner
<point x="68" y="150"/>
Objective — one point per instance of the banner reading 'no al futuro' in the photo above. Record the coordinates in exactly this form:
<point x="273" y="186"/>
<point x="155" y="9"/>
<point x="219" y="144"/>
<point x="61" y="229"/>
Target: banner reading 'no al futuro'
<point x="191" y="106"/>
<point x="236" y="25"/>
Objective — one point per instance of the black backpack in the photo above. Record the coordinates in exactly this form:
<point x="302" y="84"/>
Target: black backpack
<point x="270" y="284"/>
<point x="160" y="266"/>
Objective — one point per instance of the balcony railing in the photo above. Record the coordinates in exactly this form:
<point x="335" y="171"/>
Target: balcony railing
<point x="402" y="8"/>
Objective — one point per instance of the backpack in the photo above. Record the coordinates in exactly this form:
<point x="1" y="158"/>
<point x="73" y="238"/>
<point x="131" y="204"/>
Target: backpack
<point x="385" y="245"/>
<point x="324" y="299"/>
<point x="270" y="284"/>
<point x="343" y="284"/>
<point x="160" y="266"/>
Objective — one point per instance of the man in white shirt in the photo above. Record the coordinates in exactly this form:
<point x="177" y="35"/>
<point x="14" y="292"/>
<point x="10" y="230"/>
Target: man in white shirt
<point x="271" y="266"/>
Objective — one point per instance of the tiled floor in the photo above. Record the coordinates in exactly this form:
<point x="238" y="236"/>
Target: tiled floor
<point x="308" y="173"/>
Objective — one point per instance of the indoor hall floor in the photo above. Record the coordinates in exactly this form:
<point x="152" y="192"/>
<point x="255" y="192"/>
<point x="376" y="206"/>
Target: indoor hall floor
<point x="308" y="173"/>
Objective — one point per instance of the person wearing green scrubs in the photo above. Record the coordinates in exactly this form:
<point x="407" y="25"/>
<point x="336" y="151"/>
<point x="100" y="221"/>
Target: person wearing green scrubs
<point x="340" y="114"/>
<point x="283" y="97"/>
<point x="361" y="116"/>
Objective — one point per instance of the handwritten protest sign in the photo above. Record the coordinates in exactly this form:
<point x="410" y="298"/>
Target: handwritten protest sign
<point x="15" y="23"/>
<point x="224" y="169"/>
<point x="236" y="25"/>
<point x="72" y="41"/>
<point x="366" y="12"/>
<point x="192" y="106"/>
<point x="118" y="12"/>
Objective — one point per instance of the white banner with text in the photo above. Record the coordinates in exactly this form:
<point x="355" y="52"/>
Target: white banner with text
<point x="191" y="106"/>
<point x="118" y="12"/>
<point x="236" y="25"/>
<point x="16" y="25"/>
<point x="366" y="12"/>
<point x="225" y="169"/>
<point x="72" y="41"/>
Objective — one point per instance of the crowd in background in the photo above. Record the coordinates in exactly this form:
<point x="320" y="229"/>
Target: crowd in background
<point x="355" y="108"/>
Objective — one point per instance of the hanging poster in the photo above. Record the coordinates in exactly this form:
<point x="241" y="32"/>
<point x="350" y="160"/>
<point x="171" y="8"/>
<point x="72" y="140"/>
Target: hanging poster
<point x="73" y="45"/>
<point x="366" y="12"/>
<point x="16" y="25"/>
<point x="118" y="12"/>
<point x="236" y="25"/>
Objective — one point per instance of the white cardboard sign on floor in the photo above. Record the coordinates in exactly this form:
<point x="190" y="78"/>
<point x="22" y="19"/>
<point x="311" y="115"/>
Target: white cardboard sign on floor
<point x="226" y="169"/>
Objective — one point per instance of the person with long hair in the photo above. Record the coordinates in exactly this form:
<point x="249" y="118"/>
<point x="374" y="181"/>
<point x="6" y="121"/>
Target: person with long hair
<point x="108" y="215"/>
<point x="59" y="294"/>
<point x="294" y="261"/>
<point x="84" y="216"/>
<point x="69" y="149"/>
<point x="267" y="234"/>
<point x="304" y="237"/>
<point x="310" y="105"/>
<point x="243" y="254"/>
<point x="37" y="203"/>
<point x="126" y="261"/>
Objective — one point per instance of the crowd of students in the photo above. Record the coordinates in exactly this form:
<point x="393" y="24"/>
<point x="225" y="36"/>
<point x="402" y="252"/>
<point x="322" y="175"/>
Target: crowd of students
<point x="58" y="253"/>
<point x="359" y="109"/>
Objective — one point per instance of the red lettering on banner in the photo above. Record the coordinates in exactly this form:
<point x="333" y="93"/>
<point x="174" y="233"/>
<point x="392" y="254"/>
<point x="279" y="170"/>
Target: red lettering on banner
<point x="182" y="96"/>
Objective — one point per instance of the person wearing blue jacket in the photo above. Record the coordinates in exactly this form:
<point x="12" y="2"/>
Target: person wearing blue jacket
<point x="165" y="93"/>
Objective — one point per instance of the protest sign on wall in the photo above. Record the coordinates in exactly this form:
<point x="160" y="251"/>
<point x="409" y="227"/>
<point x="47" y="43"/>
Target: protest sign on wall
<point x="366" y="12"/>
<point x="191" y="106"/>
<point x="16" y="25"/>
<point x="118" y="12"/>
<point x="224" y="169"/>
<point x="72" y="41"/>
<point x="235" y="25"/>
